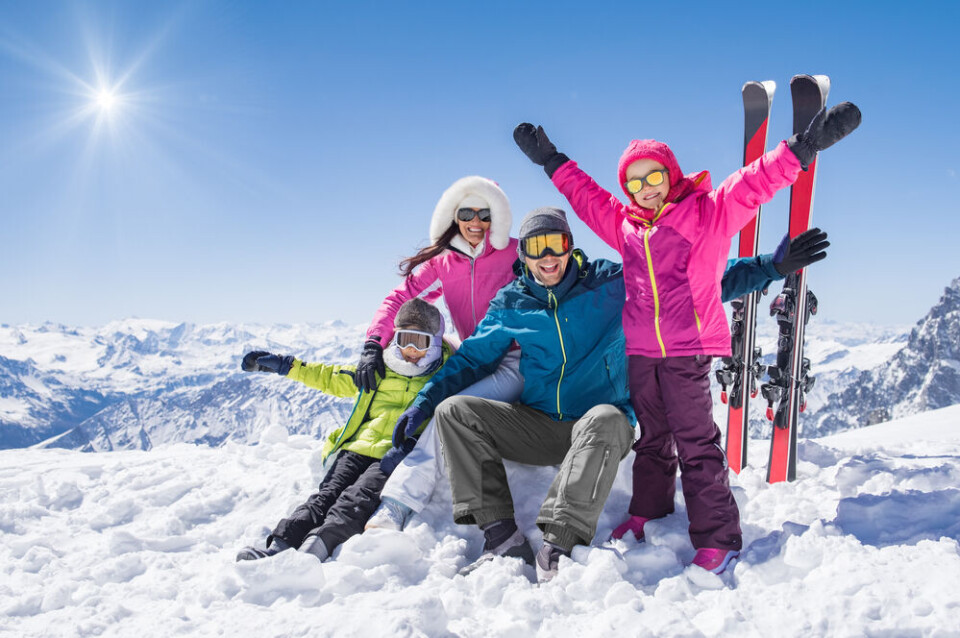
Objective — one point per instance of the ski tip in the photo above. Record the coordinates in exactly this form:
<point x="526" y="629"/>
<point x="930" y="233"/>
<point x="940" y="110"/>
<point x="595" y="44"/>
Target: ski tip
<point x="822" y="81"/>
<point x="767" y="86"/>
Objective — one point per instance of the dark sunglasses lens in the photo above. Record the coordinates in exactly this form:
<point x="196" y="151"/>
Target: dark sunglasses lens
<point x="466" y="214"/>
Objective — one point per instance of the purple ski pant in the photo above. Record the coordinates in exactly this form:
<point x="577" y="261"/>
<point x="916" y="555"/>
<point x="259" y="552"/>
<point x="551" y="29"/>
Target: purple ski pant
<point x="674" y="408"/>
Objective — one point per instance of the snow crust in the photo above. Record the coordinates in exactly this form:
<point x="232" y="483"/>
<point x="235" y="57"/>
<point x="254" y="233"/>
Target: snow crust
<point x="134" y="543"/>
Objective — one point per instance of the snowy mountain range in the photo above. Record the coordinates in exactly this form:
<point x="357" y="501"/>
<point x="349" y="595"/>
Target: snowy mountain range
<point x="136" y="383"/>
<point x="923" y="375"/>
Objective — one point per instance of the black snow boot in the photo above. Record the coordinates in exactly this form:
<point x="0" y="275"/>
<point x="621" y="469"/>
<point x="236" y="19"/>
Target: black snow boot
<point x="255" y="553"/>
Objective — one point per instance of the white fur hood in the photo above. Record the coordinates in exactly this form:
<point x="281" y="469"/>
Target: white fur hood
<point x="500" y="217"/>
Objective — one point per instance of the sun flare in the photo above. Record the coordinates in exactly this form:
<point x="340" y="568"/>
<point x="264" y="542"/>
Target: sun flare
<point x="106" y="100"/>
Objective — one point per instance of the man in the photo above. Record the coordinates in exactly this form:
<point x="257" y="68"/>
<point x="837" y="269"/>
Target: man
<point x="565" y="313"/>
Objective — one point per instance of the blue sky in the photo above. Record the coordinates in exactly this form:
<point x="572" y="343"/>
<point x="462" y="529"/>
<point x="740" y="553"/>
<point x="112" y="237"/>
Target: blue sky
<point x="273" y="162"/>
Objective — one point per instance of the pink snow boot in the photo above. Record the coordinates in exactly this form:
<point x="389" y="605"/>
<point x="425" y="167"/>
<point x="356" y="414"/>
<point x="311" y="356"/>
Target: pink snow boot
<point x="633" y="524"/>
<point x="714" y="560"/>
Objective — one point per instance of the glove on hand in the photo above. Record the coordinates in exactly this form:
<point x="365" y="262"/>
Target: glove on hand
<point x="537" y="146"/>
<point x="371" y="363"/>
<point x="826" y="129"/>
<point x="633" y="524"/>
<point x="806" y="248"/>
<point x="407" y="425"/>
<point x="261" y="361"/>
<point x="395" y="455"/>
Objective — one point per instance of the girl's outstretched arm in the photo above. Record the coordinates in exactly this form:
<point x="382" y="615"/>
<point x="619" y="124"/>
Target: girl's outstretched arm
<point x="598" y="209"/>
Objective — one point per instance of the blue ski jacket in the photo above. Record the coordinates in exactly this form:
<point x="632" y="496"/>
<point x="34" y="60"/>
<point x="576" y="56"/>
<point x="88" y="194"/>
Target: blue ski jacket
<point x="572" y="346"/>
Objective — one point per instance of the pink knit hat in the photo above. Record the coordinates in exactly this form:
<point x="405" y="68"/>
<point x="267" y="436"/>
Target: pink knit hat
<point x="680" y="185"/>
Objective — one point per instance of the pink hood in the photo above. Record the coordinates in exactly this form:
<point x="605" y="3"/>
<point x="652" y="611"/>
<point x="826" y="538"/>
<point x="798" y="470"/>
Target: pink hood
<point x="680" y="185"/>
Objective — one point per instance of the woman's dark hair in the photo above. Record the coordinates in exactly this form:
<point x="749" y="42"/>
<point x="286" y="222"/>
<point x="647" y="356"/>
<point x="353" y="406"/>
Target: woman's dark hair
<point x="431" y="251"/>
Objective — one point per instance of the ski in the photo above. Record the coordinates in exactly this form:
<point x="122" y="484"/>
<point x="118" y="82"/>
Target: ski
<point x="789" y="378"/>
<point x="740" y="372"/>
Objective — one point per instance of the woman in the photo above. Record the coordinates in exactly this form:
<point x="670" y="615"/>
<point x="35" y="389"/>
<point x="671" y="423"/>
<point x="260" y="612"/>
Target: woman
<point x="470" y="257"/>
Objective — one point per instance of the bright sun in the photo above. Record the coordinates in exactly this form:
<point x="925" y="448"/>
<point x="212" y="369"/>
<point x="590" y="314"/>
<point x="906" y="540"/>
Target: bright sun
<point x="106" y="100"/>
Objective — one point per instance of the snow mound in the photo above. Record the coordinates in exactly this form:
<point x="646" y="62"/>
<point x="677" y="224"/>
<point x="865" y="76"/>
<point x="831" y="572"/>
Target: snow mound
<point x="865" y="542"/>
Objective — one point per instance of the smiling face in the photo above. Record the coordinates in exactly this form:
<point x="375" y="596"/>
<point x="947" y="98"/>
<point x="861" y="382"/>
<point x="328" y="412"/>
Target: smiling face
<point x="474" y="230"/>
<point x="549" y="269"/>
<point x="651" y="197"/>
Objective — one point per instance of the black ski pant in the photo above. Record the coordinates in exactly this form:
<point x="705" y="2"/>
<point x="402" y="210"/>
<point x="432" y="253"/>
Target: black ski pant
<point x="348" y="496"/>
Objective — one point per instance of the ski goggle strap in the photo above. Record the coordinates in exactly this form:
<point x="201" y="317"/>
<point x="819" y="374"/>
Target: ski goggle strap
<point x="414" y="339"/>
<point x="466" y="214"/>
<point x="654" y="178"/>
<point x="539" y="245"/>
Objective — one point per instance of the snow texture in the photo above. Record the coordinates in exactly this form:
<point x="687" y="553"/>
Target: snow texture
<point x="134" y="543"/>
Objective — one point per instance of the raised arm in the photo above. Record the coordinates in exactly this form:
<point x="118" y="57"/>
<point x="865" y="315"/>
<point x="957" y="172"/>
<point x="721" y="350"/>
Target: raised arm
<point x="598" y="209"/>
<point x="739" y="196"/>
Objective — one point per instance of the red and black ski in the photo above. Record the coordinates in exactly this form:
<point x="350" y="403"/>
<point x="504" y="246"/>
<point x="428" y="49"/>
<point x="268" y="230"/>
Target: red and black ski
<point x="789" y="378"/>
<point x="740" y="372"/>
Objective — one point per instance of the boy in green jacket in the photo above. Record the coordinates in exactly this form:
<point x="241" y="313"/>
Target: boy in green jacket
<point x="350" y="492"/>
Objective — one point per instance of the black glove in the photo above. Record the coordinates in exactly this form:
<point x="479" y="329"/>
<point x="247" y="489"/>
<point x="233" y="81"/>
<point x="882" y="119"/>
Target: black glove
<point x="395" y="455"/>
<point x="371" y="363"/>
<point x="537" y="146"/>
<point x="825" y="129"/>
<point x="262" y="361"/>
<point x="806" y="248"/>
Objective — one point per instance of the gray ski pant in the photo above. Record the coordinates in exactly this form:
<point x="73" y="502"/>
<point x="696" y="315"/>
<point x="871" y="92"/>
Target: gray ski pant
<point x="477" y="434"/>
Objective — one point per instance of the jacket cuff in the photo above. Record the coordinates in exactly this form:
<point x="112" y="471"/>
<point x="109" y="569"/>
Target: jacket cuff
<point x="768" y="268"/>
<point x="294" y="372"/>
<point x="554" y="163"/>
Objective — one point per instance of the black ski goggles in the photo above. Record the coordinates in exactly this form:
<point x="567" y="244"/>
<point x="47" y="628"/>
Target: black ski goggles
<point x="415" y="339"/>
<point x="466" y="214"/>
<point x="539" y="246"/>
<point x="653" y="178"/>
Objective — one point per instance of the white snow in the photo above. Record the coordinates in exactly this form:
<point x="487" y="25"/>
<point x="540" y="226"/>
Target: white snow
<point x="142" y="544"/>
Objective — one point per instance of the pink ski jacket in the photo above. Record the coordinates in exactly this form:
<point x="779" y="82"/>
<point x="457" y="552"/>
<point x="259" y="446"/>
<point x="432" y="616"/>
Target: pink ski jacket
<point x="674" y="258"/>
<point x="467" y="286"/>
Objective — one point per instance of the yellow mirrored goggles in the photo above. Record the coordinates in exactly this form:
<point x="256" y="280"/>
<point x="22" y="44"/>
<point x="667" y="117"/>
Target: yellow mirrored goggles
<point x="537" y="246"/>
<point x="654" y="178"/>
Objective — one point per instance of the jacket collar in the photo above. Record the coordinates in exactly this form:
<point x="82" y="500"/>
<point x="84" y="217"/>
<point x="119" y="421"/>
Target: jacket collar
<point x="463" y="246"/>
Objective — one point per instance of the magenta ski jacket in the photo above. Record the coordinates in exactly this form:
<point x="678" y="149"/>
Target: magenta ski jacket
<point x="674" y="258"/>
<point x="467" y="286"/>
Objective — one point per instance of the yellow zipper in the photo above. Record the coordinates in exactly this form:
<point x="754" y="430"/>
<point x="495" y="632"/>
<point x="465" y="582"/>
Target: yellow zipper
<point x="653" y="280"/>
<point x="563" y="350"/>
<point x="656" y="296"/>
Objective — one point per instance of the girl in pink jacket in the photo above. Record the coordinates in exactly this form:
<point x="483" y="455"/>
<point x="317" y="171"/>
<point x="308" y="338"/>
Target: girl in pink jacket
<point x="469" y="259"/>
<point x="674" y="236"/>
